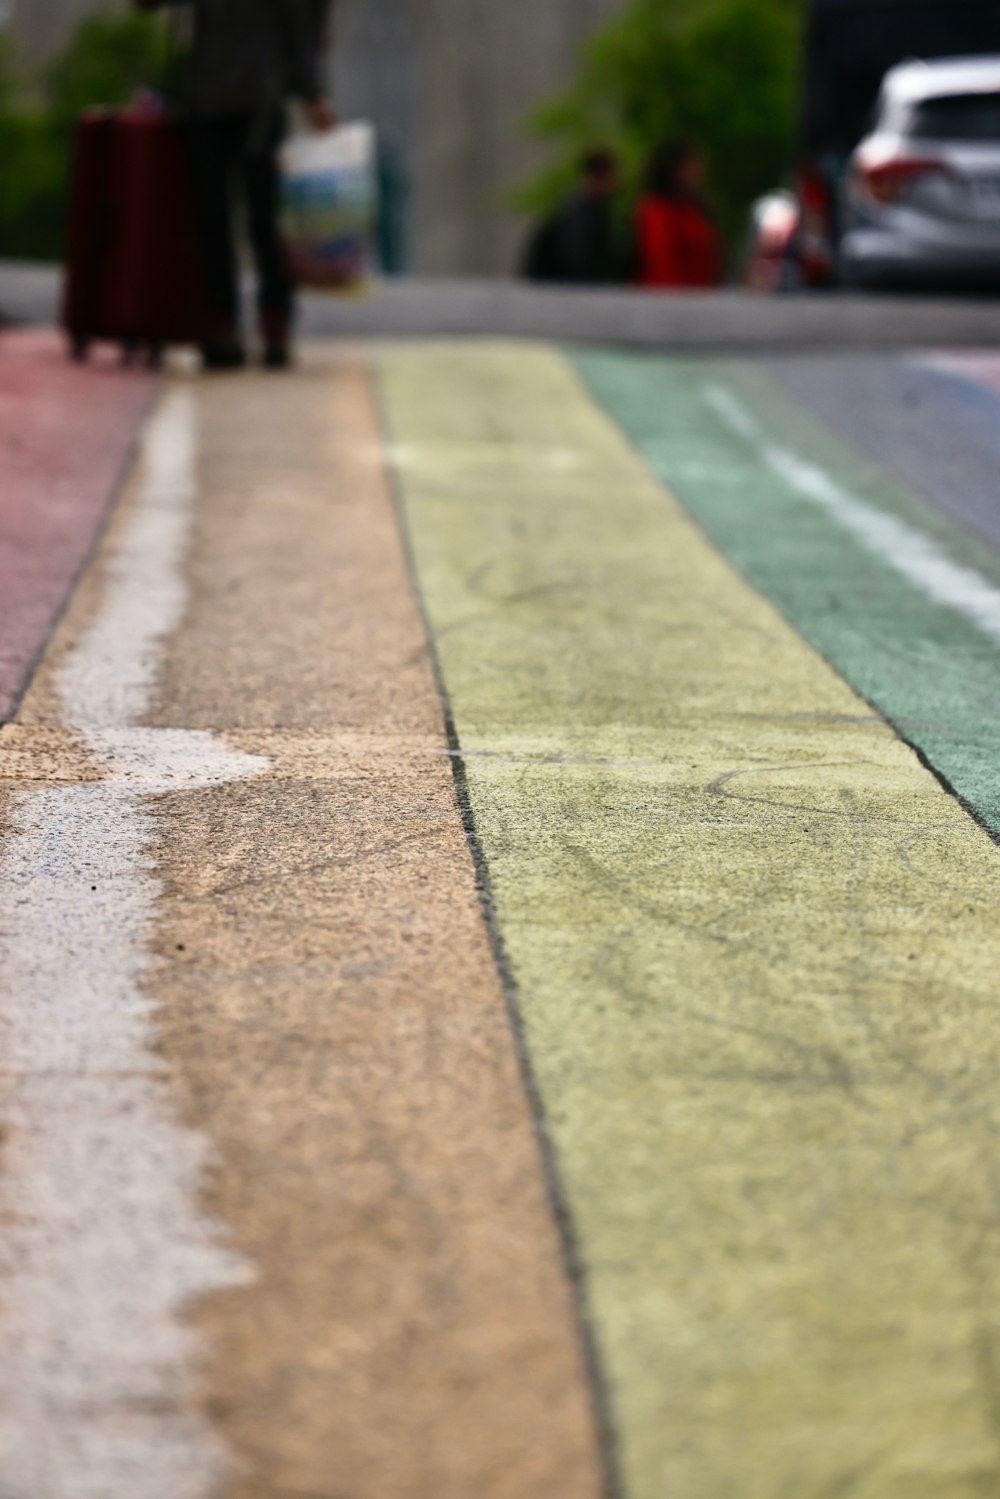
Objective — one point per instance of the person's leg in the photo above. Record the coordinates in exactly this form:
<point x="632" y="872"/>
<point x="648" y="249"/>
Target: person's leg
<point x="216" y="147"/>
<point x="262" y="178"/>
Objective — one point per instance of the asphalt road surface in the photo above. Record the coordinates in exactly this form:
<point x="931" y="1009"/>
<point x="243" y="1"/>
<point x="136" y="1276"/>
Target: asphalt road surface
<point x="499" y="935"/>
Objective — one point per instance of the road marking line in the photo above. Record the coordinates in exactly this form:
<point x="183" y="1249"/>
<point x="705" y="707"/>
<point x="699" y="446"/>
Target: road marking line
<point x="106" y="1245"/>
<point x="107" y="679"/>
<point x="906" y="550"/>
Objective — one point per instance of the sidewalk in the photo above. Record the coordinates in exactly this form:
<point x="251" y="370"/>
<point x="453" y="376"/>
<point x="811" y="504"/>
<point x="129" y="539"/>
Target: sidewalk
<point x="493" y="1008"/>
<point x="728" y="321"/>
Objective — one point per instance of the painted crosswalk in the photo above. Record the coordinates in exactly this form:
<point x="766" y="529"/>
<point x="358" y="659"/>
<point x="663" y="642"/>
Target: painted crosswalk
<point x="730" y="956"/>
<point x="534" y="1029"/>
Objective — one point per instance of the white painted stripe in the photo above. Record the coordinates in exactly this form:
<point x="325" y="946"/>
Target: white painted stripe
<point x="893" y="541"/>
<point x="106" y="681"/>
<point x="106" y="1246"/>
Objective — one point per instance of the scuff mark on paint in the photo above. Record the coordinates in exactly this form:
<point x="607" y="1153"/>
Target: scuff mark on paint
<point x="107" y="1245"/>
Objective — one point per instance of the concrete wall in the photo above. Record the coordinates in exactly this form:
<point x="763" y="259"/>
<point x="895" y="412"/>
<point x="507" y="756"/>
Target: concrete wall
<point x="41" y="26"/>
<point x="450" y="84"/>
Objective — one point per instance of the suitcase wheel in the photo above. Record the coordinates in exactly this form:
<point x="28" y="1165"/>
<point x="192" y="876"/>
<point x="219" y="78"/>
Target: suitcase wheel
<point x="79" y="347"/>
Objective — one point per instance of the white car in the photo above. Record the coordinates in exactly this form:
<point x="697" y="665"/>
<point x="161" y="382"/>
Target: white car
<point x="920" y="203"/>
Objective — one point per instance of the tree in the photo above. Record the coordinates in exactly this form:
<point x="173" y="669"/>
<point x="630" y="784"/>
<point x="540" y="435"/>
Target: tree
<point x="105" y="60"/>
<point x="8" y="75"/>
<point x="722" y="72"/>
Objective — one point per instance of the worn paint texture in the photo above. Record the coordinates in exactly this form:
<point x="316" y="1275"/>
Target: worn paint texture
<point x="65" y="435"/>
<point x="293" y="1184"/>
<point x="104" y="1242"/>
<point x="924" y="655"/>
<point x="331" y="1009"/>
<point x="291" y="974"/>
<point x="755" y="950"/>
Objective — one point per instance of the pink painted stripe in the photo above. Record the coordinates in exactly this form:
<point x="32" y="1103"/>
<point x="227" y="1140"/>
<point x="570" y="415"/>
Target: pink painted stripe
<point x="65" y="433"/>
<point x="982" y="366"/>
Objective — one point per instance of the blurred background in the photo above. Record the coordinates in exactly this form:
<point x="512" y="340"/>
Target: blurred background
<point x="483" y="106"/>
<point x="484" y="109"/>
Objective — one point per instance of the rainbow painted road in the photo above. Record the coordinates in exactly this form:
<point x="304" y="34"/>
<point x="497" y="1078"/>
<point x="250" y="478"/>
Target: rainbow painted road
<point x="499" y="933"/>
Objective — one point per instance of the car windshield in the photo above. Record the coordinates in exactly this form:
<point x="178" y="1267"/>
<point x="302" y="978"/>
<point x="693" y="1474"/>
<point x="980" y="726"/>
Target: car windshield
<point x="957" y="117"/>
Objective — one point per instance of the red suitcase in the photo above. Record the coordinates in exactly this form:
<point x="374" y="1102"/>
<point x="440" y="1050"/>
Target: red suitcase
<point x="134" y="271"/>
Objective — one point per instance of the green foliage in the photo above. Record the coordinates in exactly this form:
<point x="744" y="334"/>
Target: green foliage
<point x="32" y="187"/>
<point x="722" y="72"/>
<point x="105" y="61"/>
<point x="8" y="75"/>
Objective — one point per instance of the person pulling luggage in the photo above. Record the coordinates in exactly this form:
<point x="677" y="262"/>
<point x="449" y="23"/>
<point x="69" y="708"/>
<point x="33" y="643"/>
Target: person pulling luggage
<point x="248" y="59"/>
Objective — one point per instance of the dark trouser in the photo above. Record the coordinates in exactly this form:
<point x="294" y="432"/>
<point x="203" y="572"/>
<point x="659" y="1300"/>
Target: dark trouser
<point x="235" y="158"/>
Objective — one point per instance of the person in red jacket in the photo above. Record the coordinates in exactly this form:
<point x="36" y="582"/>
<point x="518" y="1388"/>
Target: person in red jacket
<point x="677" y="241"/>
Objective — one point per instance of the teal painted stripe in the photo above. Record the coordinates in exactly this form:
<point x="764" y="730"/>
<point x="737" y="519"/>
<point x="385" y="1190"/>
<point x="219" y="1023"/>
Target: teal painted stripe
<point x="931" y="671"/>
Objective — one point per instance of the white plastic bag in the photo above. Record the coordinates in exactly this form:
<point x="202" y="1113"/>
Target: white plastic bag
<point x="329" y="206"/>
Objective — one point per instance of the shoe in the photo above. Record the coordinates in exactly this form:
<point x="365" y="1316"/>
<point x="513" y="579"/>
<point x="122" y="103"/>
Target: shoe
<point x="276" y="330"/>
<point x="223" y="354"/>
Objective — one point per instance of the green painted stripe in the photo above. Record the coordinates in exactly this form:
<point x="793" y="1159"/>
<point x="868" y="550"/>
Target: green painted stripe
<point x="930" y="671"/>
<point x="754" y="946"/>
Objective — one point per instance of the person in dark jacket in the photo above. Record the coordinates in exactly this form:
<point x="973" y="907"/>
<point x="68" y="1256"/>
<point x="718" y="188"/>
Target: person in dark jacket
<point x="248" y="58"/>
<point x="581" y="242"/>
<point x="677" y="240"/>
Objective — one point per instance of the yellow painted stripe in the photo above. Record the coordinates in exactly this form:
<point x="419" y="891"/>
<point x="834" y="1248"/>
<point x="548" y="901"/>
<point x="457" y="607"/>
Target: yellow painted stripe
<point x="756" y="952"/>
